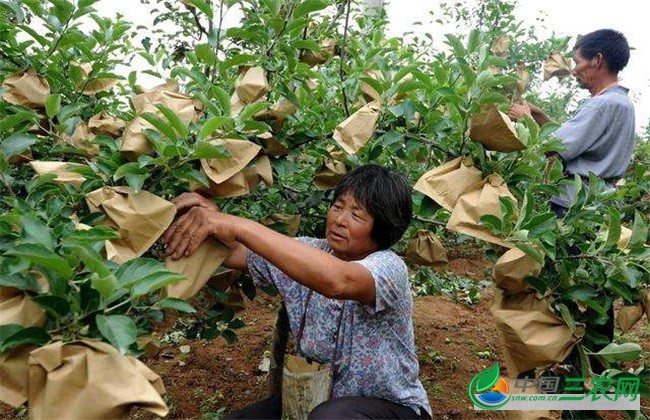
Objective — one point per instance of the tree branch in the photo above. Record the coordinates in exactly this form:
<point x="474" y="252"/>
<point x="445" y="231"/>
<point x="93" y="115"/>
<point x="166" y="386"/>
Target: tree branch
<point x="342" y="58"/>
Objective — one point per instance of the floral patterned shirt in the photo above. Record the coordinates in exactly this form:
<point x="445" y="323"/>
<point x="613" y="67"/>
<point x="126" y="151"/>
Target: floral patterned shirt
<point x="376" y="344"/>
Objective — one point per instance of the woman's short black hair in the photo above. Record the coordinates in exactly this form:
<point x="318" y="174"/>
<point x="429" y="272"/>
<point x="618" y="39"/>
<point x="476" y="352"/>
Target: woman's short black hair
<point x="610" y="43"/>
<point x="385" y="194"/>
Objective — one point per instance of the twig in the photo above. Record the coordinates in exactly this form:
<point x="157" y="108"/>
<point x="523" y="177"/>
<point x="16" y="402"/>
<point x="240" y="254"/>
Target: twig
<point x="342" y="59"/>
<point x="284" y="28"/>
<point x="216" y="52"/>
<point x="197" y="20"/>
<point x="421" y="139"/>
<point x="56" y="43"/>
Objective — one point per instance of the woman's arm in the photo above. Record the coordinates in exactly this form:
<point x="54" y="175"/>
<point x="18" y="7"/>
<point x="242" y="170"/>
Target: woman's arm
<point x="517" y="111"/>
<point x="316" y="269"/>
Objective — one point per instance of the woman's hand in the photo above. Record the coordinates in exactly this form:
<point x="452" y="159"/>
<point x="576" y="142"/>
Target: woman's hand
<point x="185" y="235"/>
<point x="186" y="201"/>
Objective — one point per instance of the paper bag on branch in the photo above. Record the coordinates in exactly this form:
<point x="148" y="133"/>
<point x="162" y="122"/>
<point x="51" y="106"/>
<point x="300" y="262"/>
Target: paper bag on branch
<point x="285" y="223"/>
<point x="524" y="77"/>
<point x="329" y="174"/>
<point x="449" y="181"/>
<point x="197" y="268"/>
<point x="272" y="146"/>
<point x="14" y="375"/>
<point x="494" y="130"/>
<point x="16" y="307"/>
<point x="370" y="93"/>
<point x="61" y="170"/>
<point x="353" y="133"/>
<point x="276" y="116"/>
<point x="500" y="46"/>
<point x="241" y="152"/>
<point x="140" y="218"/>
<point x="251" y="84"/>
<point x="557" y="65"/>
<point x="90" y="380"/>
<point x="169" y="85"/>
<point x="512" y="268"/>
<point x="531" y="335"/>
<point x="134" y="141"/>
<point x="480" y="201"/>
<point x="105" y="124"/>
<point x="425" y="249"/>
<point x="628" y="316"/>
<point x="82" y="139"/>
<point x="95" y="85"/>
<point x="313" y="58"/>
<point x="244" y="182"/>
<point x="26" y="89"/>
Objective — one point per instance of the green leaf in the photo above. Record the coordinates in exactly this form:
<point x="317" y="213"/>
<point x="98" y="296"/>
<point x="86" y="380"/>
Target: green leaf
<point x="55" y="305"/>
<point x="35" y="231"/>
<point x="532" y="252"/>
<point x="252" y="109"/>
<point x="160" y="125"/>
<point x="619" y="352"/>
<point x="540" y="224"/>
<point x="230" y="336"/>
<point x="492" y="222"/>
<point x="119" y="330"/>
<point x="131" y="271"/>
<point x="211" y="125"/>
<point x="203" y="6"/>
<point x="205" y="150"/>
<point x="40" y="255"/>
<point x="17" y="144"/>
<point x="105" y="285"/>
<point x="176" y="304"/>
<point x="155" y="281"/>
<point x="20" y="282"/>
<point x="206" y="54"/>
<point x="614" y="227"/>
<point x="175" y="121"/>
<point x="309" y="6"/>
<point x="13" y="335"/>
<point x="53" y="105"/>
<point x="456" y="45"/>
<point x="567" y="317"/>
<point x="639" y="231"/>
<point x="13" y="8"/>
<point x="236" y="60"/>
<point x="580" y="293"/>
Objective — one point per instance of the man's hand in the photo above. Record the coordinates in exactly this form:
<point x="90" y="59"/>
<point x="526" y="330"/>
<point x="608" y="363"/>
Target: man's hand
<point x="518" y="111"/>
<point x="186" y="201"/>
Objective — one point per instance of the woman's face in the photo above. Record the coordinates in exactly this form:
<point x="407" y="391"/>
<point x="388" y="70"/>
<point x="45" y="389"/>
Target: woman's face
<point x="348" y="229"/>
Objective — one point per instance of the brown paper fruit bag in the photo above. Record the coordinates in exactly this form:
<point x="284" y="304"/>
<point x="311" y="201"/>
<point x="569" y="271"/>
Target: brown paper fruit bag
<point x="353" y="133"/>
<point x="500" y="46"/>
<point x="244" y="182"/>
<point x="26" y="89"/>
<point x="251" y="84"/>
<point x="94" y="85"/>
<point x="329" y="174"/>
<point x="370" y="93"/>
<point x="482" y="200"/>
<point x="313" y="58"/>
<point x="90" y="380"/>
<point x="16" y="307"/>
<point x="276" y="116"/>
<point x="556" y="65"/>
<point x="271" y="145"/>
<point x="134" y="141"/>
<point x="425" y="249"/>
<point x="61" y="170"/>
<point x="140" y="218"/>
<point x="495" y="131"/>
<point x="14" y="375"/>
<point x="449" y="181"/>
<point x="82" y="139"/>
<point x="628" y="316"/>
<point x="624" y="239"/>
<point x="285" y="223"/>
<point x="531" y="335"/>
<point x="512" y="268"/>
<point x="106" y="125"/>
<point x="197" y="268"/>
<point x="241" y="152"/>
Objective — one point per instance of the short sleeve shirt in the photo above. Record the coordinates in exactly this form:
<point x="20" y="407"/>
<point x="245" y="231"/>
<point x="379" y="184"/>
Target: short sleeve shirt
<point x="599" y="138"/>
<point x="375" y="346"/>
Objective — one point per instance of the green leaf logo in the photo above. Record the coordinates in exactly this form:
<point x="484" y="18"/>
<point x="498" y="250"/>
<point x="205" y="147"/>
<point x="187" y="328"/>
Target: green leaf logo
<point x="484" y="381"/>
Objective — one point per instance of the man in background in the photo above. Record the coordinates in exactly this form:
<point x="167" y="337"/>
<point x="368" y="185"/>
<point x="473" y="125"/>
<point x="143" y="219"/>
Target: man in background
<point x="599" y="138"/>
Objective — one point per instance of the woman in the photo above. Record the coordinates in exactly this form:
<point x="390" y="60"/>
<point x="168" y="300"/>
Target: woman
<point x="353" y="291"/>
